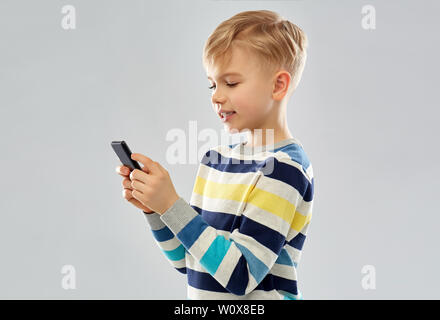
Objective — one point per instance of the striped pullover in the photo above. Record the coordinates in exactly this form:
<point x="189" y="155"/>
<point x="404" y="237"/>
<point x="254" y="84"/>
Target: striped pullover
<point x="241" y="236"/>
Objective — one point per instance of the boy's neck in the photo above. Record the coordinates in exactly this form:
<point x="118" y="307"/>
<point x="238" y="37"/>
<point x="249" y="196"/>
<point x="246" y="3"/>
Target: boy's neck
<point x="273" y="130"/>
<point x="268" y="137"/>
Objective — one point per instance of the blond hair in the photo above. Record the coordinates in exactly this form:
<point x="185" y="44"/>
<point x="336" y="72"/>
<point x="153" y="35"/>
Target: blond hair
<point x="277" y="42"/>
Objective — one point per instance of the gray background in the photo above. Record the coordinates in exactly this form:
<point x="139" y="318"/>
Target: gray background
<point x="366" y="112"/>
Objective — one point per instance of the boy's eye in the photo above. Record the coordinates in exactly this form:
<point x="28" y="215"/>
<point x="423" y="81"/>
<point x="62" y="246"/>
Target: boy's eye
<point x="228" y="84"/>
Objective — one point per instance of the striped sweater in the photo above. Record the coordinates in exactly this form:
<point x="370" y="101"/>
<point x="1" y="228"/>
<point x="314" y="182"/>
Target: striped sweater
<point x="241" y="236"/>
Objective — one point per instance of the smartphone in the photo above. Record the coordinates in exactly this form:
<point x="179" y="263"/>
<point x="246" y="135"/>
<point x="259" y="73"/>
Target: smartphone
<point x="123" y="152"/>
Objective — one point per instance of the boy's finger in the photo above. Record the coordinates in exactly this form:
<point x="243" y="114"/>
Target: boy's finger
<point x="136" y="203"/>
<point x="123" y="175"/>
<point x="126" y="183"/>
<point x="149" y="165"/>
<point x="123" y="170"/>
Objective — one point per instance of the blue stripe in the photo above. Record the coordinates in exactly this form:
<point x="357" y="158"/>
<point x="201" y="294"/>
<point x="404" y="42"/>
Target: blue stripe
<point x="239" y="278"/>
<point x="229" y="222"/>
<point x="284" y="258"/>
<point x="296" y="153"/>
<point x="284" y="284"/>
<point x="294" y="150"/>
<point x="271" y="282"/>
<point x="217" y="161"/>
<point x="293" y="177"/>
<point x="256" y="267"/>
<point x="238" y="282"/>
<point x="219" y="220"/>
<point x="192" y="231"/>
<point x="263" y="234"/>
<point x="203" y="281"/>
<point x="282" y="171"/>
<point x="181" y="270"/>
<point x="215" y="254"/>
<point x="298" y="241"/>
<point x="176" y="254"/>
<point x="163" y="234"/>
<point x="308" y="196"/>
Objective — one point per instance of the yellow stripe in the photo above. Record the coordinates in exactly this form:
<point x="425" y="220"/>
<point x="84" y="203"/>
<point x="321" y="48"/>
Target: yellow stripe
<point x="265" y="200"/>
<point x="300" y="220"/>
<point x="217" y="190"/>
<point x="272" y="203"/>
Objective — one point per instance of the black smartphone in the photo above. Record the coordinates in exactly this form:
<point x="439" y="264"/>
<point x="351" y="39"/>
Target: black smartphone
<point x="123" y="152"/>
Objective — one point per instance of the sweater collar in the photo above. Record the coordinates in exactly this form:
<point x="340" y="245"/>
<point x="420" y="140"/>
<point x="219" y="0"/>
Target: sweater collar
<point x="243" y="149"/>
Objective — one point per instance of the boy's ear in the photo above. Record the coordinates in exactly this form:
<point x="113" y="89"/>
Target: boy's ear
<point x="281" y="86"/>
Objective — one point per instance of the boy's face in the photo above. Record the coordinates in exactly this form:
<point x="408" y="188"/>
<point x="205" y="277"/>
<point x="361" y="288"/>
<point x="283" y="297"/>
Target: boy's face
<point x="250" y="95"/>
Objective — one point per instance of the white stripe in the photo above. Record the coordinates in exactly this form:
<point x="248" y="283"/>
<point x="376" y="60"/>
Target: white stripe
<point x="227" y="266"/>
<point x="194" y="264"/>
<point x="305" y="229"/>
<point x="309" y="171"/>
<point x="226" y="152"/>
<point x="294" y="253"/>
<point x="179" y="263"/>
<point x="294" y="233"/>
<point x="284" y="271"/>
<point x="279" y="188"/>
<point x="213" y="204"/>
<point x="252" y="283"/>
<point x="170" y="244"/>
<point x="305" y="207"/>
<point x="225" y="177"/>
<point x="201" y="245"/>
<point x="199" y="294"/>
<point x="267" y="219"/>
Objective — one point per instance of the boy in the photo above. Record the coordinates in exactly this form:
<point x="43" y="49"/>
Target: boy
<point x="242" y="234"/>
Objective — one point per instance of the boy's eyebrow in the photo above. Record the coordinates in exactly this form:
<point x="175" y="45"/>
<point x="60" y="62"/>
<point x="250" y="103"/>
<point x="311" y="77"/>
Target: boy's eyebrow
<point x="227" y="74"/>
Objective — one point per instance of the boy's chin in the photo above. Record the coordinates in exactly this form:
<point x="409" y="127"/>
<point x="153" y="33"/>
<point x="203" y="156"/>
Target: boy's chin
<point x="233" y="129"/>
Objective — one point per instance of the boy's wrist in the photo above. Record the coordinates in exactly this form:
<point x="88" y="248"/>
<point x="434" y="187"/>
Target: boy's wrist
<point x="170" y="204"/>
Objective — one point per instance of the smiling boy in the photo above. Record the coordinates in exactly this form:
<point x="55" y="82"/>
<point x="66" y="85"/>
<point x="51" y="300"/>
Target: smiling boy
<point x="256" y="95"/>
<point x="242" y="234"/>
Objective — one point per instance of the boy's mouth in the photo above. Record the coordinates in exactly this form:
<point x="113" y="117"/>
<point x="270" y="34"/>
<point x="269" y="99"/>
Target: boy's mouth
<point x="225" y="116"/>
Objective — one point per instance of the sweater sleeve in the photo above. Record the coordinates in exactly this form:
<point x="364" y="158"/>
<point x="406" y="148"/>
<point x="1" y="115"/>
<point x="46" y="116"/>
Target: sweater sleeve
<point x="169" y="244"/>
<point x="172" y="248"/>
<point x="270" y="212"/>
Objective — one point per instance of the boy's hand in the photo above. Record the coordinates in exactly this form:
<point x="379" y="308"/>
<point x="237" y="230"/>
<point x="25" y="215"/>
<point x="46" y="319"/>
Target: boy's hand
<point x="152" y="186"/>
<point x="127" y="191"/>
